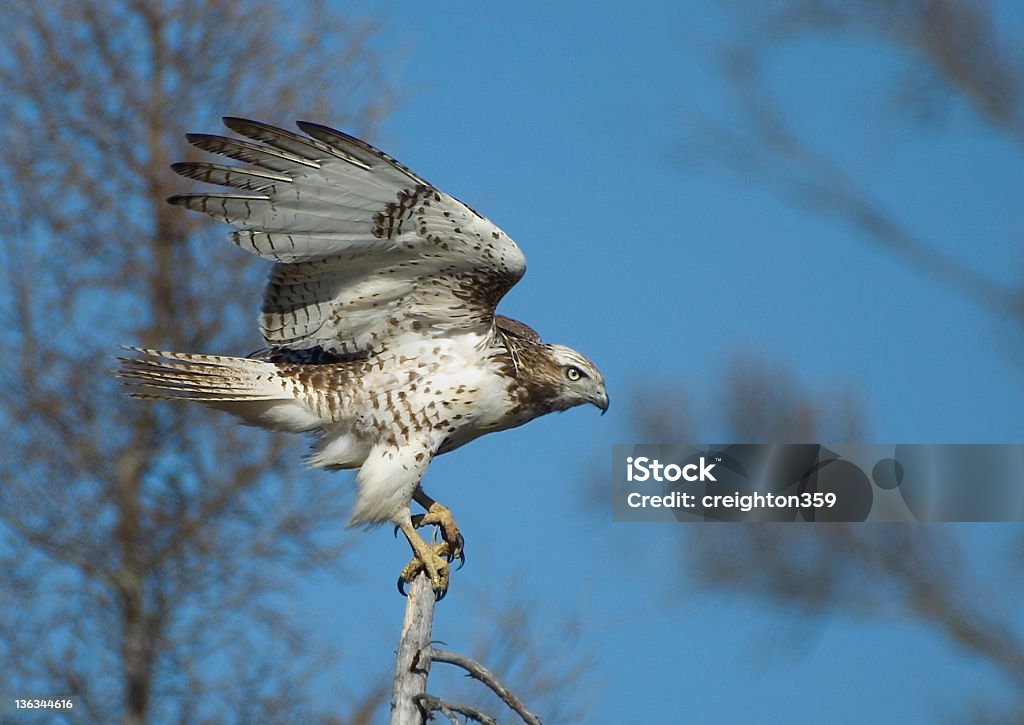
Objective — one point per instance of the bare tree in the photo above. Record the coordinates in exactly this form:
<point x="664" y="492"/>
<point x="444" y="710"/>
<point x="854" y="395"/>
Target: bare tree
<point x="143" y="553"/>
<point x="925" y="573"/>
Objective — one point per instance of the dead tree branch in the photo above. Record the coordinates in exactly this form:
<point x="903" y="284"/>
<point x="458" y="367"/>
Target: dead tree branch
<point x="411" y="667"/>
<point x="484" y="675"/>
<point x="410" y="703"/>
<point x="434" y="704"/>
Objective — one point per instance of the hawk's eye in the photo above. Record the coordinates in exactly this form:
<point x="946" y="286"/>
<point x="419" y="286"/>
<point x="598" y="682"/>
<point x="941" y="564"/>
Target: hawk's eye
<point x="574" y="373"/>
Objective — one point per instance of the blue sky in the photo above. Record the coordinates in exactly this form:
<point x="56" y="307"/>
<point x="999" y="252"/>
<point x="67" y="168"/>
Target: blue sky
<point x="567" y="127"/>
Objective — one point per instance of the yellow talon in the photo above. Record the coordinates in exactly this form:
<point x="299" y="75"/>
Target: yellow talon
<point x="431" y="559"/>
<point x="441" y="516"/>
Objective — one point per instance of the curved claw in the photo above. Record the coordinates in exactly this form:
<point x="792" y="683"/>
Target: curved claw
<point x="458" y="551"/>
<point x="429" y="561"/>
<point x="438" y="594"/>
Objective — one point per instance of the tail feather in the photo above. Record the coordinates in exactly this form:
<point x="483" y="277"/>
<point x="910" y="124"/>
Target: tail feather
<point x="162" y="375"/>
<point x="253" y="390"/>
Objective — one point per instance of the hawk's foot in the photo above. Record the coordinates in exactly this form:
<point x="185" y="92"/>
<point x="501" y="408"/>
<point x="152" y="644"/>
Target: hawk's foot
<point x="441" y="517"/>
<point x="426" y="558"/>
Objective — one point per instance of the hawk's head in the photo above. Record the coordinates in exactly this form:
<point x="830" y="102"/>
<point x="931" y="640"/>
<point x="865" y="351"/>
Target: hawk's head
<point x="572" y="380"/>
<point x="548" y="378"/>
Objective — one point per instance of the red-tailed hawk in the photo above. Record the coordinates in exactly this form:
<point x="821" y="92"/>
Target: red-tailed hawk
<point x="379" y="320"/>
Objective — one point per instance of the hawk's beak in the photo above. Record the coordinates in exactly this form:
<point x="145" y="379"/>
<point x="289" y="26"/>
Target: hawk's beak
<point x="601" y="401"/>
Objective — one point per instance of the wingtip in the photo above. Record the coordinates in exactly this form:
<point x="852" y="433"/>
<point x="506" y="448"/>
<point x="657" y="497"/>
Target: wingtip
<point x="245" y="126"/>
<point x="306" y="125"/>
<point x="327" y="134"/>
<point x="181" y="168"/>
<point x="233" y="121"/>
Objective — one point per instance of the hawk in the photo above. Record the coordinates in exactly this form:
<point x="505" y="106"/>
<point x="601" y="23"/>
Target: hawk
<point x="379" y="322"/>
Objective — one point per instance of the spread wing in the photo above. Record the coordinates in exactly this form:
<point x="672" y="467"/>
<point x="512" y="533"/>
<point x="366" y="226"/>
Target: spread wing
<point x="364" y="248"/>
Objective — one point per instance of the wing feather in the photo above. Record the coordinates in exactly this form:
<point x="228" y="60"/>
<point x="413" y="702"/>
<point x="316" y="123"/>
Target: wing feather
<point x="233" y="176"/>
<point x="365" y="249"/>
<point x="250" y="153"/>
<point x="307" y="148"/>
<point x="348" y="145"/>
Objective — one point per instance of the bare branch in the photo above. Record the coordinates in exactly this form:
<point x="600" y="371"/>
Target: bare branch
<point x="481" y="673"/>
<point x="433" y="704"/>
<point x="412" y="664"/>
<point x="410" y="704"/>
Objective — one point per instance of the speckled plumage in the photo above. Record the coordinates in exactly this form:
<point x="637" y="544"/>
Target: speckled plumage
<point x="379" y="316"/>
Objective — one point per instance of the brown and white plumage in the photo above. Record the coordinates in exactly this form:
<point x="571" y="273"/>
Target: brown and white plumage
<point x="379" y="316"/>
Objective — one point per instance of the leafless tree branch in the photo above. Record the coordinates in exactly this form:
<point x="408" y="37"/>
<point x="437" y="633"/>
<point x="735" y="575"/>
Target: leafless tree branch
<point x="481" y="673"/>
<point x="449" y="709"/>
<point x="411" y="667"/>
<point x="410" y="703"/>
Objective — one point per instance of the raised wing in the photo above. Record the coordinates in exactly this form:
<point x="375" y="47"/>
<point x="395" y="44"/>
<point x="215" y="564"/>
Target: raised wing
<point x="364" y="248"/>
